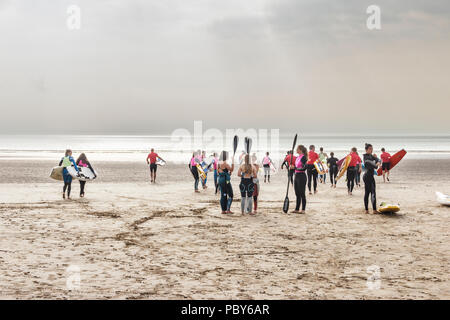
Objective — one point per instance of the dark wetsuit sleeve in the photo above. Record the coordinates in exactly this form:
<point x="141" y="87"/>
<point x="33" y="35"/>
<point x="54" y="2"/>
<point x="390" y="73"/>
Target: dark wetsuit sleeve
<point x="302" y="165"/>
<point x="60" y="162"/>
<point x="370" y="162"/>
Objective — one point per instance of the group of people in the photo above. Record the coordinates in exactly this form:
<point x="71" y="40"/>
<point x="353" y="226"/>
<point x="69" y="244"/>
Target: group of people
<point x="68" y="161"/>
<point x="248" y="170"/>
<point x="302" y="174"/>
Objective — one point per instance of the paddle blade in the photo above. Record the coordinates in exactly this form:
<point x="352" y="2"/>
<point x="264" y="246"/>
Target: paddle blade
<point x="286" y="205"/>
<point x="295" y="141"/>
<point x="248" y="145"/>
<point x="235" y="144"/>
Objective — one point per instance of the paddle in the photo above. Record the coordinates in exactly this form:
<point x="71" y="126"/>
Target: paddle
<point x="286" y="200"/>
<point x="248" y="144"/>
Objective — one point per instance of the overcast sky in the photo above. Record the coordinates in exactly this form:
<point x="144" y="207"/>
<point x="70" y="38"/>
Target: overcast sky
<point x="149" y="67"/>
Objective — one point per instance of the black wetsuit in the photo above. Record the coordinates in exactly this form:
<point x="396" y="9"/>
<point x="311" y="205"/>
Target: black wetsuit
<point x="300" y="184"/>
<point x="333" y="169"/>
<point x="370" y="164"/>
<point x="312" y="176"/>
<point x="290" y="171"/>
<point x="351" y="172"/>
<point x="226" y="190"/>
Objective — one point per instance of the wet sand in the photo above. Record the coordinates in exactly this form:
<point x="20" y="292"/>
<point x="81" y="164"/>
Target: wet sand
<point x="130" y="239"/>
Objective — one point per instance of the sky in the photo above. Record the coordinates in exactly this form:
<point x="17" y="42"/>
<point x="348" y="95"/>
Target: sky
<point x="150" y="67"/>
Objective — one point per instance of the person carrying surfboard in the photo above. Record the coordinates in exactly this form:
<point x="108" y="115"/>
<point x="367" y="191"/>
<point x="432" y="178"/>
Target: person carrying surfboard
<point x="300" y="166"/>
<point x="333" y="168"/>
<point x="311" y="169"/>
<point x="215" y="163"/>
<point x="351" y="170"/>
<point x="151" y="161"/>
<point x="323" y="157"/>
<point x="226" y="190"/>
<point x="82" y="161"/>
<point x="66" y="162"/>
<point x="246" y="172"/>
<point x="193" y="168"/>
<point x="385" y="164"/>
<point x="358" y="170"/>
<point x="266" y="162"/>
<point x="371" y="162"/>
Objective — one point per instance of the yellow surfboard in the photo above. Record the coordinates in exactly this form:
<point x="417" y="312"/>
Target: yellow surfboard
<point x="201" y="172"/>
<point x="344" y="167"/>
<point x="321" y="167"/>
<point x="387" y="207"/>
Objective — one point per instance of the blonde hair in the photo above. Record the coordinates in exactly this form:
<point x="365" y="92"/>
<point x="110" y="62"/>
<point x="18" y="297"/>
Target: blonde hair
<point x="247" y="167"/>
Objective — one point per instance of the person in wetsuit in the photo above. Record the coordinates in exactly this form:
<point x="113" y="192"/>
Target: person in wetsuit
<point x="300" y="166"/>
<point x="311" y="169"/>
<point x="215" y="163"/>
<point x="151" y="161"/>
<point x="371" y="162"/>
<point x="323" y="158"/>
<point x="193" y="168"/>
<point x="82" y="161"/>
<point x="288" y="160"/>
<point x="333" y="169"/>
<point x="226" y="190"/>
<point x="385" y="164"/>
<point x="358" y="169"/>
<point x="247" y="172"/>
<point x="67" y="161"/>
<point x="256" y="183"/>
<point x="351" y="170"/>
<point x="266" y="162"/>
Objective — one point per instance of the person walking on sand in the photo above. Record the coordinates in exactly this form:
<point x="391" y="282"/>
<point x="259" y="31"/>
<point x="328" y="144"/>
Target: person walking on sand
<point x="215" y="164"/>
<point x="226" y="190"/>
<point x="300" y="167"/>
<point x="386" y="164"/>
<point x="205" y="168"/>
<point x="247" y="173"/>
<point x="358" y="170"/>
<point x="288" y="160"/>
<point x="311" y="169"/>
<point x="151" y="161"/>
<point x="67" y="161"/>
<point x="266" y="162"/>
<point x="256" y="183"/>
<point x="333" y="169"/>
<point x="82" y="161"/>
<point x="323" y="157"/>
<point x="193" y="168"/>
<point x="351" y="170"/>
<point x="371" y="162"/>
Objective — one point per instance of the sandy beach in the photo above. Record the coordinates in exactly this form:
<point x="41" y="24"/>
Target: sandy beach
<point x="129" y="239"/>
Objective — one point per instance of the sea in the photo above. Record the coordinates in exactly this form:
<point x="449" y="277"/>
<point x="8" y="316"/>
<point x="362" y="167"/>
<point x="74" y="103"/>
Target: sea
<point x="179" y="149"/>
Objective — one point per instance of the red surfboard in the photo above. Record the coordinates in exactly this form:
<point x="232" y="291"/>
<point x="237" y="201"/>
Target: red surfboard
<point x="394" y="160"/>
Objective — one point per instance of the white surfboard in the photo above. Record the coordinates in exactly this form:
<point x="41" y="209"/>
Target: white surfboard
<point x="160" y="162"/>
<point x="443" y="199"/>
<point x="85" y="173"/>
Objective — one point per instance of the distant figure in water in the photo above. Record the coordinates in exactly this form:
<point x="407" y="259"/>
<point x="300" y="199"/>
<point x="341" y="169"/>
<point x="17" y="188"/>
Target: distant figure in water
<point x="371" y="162"/>
<point x="386" y="164"/>
<point x="82" y="161"/>
<point x="151" y="160"/>
<point x="67" y="161"/>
